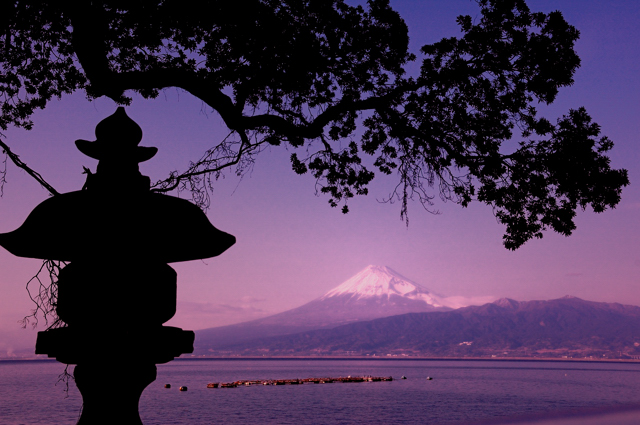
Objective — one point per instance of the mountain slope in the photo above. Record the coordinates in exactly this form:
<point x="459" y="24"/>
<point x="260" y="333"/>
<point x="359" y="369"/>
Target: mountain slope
<point x="372" y="293"/>
<point x="564" y="327"/>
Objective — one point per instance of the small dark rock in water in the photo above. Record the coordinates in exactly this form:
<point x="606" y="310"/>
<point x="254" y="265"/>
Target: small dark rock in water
<point x="183" y="388"/>
<point x="167" y="385"/>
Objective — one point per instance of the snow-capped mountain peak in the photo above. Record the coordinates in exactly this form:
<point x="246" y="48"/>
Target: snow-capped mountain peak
<point x="380" y="281"/>
<point x="373" y="293"/>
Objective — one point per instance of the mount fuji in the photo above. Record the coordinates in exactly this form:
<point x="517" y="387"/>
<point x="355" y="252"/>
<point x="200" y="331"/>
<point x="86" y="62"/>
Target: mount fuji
<point x="377" y="292"/>
<point x="373" y="293"/>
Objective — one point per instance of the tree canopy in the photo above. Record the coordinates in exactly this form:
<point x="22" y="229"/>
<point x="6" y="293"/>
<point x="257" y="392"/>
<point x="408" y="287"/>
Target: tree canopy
<point x="329" y="81"/>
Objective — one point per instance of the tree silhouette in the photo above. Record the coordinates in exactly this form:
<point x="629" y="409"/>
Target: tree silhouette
<point x="328" y="80"/>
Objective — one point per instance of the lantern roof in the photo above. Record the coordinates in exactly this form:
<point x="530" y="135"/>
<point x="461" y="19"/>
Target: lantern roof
<point x="81" y="225"/>
<point x="116" y="215"/>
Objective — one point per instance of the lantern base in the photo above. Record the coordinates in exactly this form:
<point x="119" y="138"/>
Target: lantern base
<point x="111" y="392"/>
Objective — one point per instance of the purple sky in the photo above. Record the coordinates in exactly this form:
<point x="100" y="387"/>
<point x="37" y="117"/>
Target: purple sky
<point x="292" y="247"/>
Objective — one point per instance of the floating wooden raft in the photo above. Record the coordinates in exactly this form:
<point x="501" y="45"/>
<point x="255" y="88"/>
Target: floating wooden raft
<point x="326" y="380"/>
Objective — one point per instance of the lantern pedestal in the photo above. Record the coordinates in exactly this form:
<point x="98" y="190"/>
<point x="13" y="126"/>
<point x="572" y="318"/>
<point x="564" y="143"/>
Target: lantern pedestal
<point x="111" y="392"/>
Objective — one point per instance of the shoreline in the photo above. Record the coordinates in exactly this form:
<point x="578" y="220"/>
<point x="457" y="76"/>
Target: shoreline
<point x="359" y="358"/>
<point x="418" y="358"/>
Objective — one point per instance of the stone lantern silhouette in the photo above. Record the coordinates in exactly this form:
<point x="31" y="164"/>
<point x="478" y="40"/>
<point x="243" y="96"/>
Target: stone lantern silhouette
<point x="118" y="289"/>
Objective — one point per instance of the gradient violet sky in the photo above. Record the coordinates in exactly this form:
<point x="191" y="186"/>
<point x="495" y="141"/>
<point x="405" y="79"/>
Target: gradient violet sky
<point x="292" y="247"/>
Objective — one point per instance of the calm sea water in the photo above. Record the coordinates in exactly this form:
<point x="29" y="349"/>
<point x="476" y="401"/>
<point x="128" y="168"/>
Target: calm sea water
<point x="461" y="391"/>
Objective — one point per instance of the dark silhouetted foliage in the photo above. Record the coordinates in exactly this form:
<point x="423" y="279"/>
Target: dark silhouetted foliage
<point x="328" y="80"/>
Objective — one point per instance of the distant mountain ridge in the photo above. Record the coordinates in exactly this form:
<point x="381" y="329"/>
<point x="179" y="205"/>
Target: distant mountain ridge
<point x="565" y="327"/>
<point x="374" y="292"/>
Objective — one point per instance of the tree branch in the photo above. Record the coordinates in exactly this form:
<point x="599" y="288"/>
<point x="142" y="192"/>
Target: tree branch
<point x="233" y="118"/>
<point x="16" y="160"/>
<point x="89" y="32"/>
